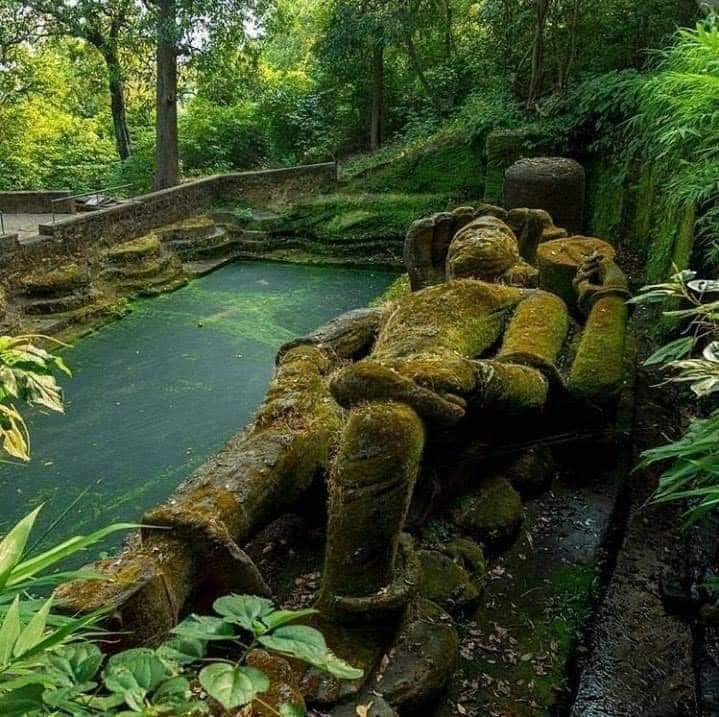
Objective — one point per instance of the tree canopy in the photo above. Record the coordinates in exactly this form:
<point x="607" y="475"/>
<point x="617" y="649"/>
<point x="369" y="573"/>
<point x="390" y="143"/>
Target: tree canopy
<point x="193" y="86"/>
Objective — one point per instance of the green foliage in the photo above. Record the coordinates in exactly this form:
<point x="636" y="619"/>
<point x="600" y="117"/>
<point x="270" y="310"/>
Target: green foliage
<point x="343" y="217"/>
<point x="48" y="666"/>
<point x="219" y="138"/>
<point x="26" y="374"/>
<point x="693" y="360"/>
<point x="38" y="647"/>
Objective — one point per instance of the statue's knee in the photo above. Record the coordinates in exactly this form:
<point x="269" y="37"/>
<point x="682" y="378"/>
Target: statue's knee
<point x="371" y="485"/>
<point x="378" y="439"/>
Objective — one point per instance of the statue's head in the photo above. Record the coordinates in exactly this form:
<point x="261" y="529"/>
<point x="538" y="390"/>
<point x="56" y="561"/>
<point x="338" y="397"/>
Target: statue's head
<point x="484" y="249"/>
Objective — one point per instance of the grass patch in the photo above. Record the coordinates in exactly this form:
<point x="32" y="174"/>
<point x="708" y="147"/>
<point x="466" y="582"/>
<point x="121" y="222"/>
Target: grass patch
<point x="355" y="217"/>
<point x="451" y="165"/>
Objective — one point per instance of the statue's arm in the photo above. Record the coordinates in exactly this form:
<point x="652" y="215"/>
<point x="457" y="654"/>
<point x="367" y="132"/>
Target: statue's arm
<point x="349" y="336"/>
<point x="597" y="372"/>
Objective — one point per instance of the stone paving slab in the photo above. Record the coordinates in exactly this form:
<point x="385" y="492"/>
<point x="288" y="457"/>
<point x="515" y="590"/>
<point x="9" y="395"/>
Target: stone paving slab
<point x="26" y="225"/>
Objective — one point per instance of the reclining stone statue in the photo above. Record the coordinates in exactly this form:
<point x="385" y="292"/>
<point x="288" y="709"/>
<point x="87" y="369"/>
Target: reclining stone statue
<point x="368" y="399"/>
<point x="464" y="350"/>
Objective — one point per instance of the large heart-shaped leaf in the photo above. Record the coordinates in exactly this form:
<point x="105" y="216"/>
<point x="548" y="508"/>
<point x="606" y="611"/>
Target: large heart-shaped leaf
<point x="297" y="640"/>
<point x="134" y="674"/>
<point x="74" y="665"/>
<point x="233" y="685"/>
<point x="245" y="610"/>
<point x="200" y="627"/>
<point x="288" y="710"/>
<point x="308" y="644"/>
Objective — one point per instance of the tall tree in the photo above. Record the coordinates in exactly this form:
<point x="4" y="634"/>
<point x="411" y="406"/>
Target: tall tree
<point x="166" y="150"/>
<point x="536" y="80"/>
<point x="105" y="24"/>
<point x="182" y="28"/>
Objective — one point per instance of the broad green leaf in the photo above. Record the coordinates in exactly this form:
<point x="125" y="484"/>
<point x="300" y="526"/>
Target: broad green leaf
<point x="308" y="644"/>
<point x="296" y="640"/>
<point x="20" y="702"/>
<point x="67" y="699"/>
<point x="13" y="545"/>
<point x="182" y="650"/>
<point x="171" y="691"/>
<point x="341" y="669"/>
<point x="134" y="674"/>
<point x="200" y="627"/>
<point x="283" y="617"/>
<point x="10" y="631"/>
<point x="233" y="685"/>
<point x="288" y="710"/>
<point x="33" y="633"/>
<point x="245" y="610"/>
<point x="62" y="366"/>
<point x="74" y="665"/>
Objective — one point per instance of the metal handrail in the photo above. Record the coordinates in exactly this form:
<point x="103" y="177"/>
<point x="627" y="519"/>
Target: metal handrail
<point x="93" y="193"/>
<point x="2" y="224"/>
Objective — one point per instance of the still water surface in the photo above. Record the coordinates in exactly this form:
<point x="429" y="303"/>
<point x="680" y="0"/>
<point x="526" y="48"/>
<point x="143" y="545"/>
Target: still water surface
<point x="155" y="394"/>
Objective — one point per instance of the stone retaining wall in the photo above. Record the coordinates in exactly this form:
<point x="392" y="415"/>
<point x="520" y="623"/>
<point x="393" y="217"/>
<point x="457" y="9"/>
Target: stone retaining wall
<point x="141" y="214"/>
<point x="84" y="234"/>
<point x="36" y="202"/>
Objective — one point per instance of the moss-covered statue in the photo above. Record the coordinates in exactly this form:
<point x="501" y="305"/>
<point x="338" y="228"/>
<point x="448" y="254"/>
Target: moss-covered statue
<point x="477" y="348"/>
<point x="382" y="403"/>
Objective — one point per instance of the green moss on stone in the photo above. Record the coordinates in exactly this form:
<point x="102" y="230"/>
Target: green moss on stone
<point x="469" y="554"/>
<point x="607" y="196"/>
<point x="598" y="368"/>
<point x="59" y="281"/>
<point x="493" y="513"/>
<point x="398" y="289"/>
<point x="135" y="250"/>
<point x="504" y="147"/>
<point x="444" y="581"/>
<point x="370" y="487"/>
<point x="537" y="330"/>
<point x="459" y="318"/>
<point x="558" y="261"/>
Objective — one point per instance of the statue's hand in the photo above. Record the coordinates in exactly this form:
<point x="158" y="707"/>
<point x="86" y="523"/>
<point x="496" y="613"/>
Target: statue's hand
<point x="598" y="276"/>
<point x="371" y="381"/>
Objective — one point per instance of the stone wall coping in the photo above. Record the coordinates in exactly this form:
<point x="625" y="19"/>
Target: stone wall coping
<point x="118" y="209"/>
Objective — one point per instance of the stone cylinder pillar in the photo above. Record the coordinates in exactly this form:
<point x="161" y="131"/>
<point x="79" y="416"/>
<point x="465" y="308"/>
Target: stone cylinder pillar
<point x="555" y="184"/>
<point x="370" y="488"/>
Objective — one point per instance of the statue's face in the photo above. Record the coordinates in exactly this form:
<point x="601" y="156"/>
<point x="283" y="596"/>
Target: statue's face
<point x="484" y="249"/>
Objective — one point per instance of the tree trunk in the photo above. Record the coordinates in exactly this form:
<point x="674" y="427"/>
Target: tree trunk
<point x="117" y="102"/>
<point x="377" y="119"/>
<point x="417" y="66"/>
<point x="166" y="154"/>
<point x="448" y="36"/>
<point x="572" y="51"/>
<point x="536" y="82"/>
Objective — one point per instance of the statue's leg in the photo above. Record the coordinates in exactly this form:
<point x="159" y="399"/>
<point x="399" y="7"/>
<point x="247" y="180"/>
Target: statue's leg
<point x="370" y="489"/>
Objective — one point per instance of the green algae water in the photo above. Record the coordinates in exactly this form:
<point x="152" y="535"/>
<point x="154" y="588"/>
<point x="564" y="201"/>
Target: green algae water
<point x="155" y="394"/>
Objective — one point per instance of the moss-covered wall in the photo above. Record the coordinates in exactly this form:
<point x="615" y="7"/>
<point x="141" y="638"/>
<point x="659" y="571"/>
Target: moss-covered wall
<point x="626" y="207"/>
